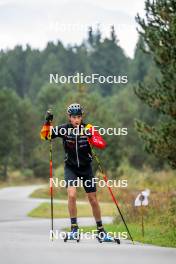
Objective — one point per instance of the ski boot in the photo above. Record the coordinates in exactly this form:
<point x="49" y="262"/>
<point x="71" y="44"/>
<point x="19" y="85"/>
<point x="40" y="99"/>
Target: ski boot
<point x="102" y="236"/>
<point x="73" y="235"/>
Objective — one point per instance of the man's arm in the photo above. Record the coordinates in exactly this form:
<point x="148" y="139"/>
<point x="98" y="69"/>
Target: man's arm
<point x="50" y="132"/>
<point x="59" y="131"/>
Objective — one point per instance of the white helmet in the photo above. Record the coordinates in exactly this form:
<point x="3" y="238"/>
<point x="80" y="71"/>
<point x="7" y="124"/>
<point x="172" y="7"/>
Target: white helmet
<point x="75" y="109"/>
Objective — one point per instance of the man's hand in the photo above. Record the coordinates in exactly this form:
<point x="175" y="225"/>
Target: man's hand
<point x="49" y="116"/>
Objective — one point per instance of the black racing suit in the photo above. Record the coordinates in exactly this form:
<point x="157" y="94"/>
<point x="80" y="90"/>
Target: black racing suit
<point x="78" y="155"/>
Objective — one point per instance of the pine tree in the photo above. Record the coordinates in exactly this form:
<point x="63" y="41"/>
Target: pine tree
<point x="113" y="34"/>
<point x="90" y="36"/>
<point x="141" y="62"/>
<point x="159" y="33"/>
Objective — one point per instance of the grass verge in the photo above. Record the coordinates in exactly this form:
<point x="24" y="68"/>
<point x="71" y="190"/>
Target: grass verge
<point x="61" y="210"/>
<point x="153" y="234"/>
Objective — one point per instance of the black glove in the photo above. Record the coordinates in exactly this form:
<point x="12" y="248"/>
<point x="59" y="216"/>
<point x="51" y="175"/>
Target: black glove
<point x="49" y="116"/>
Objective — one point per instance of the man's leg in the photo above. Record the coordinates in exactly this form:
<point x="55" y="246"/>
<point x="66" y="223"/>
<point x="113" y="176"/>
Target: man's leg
<point x="91" y="194"/>
<point x="71" y="191"/>
<point x="95" y="206"/>
<point x="70" y="176"/>
<point x="96" y="211"/>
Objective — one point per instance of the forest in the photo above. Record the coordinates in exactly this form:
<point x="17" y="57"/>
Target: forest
<point x="145" y="105"/>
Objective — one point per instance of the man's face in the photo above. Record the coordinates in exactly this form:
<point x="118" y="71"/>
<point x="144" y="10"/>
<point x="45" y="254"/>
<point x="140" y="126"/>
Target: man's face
<point x="75" y="120"/>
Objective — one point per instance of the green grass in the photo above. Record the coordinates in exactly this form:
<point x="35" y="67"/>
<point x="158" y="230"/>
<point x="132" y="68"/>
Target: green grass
<point x="59" y="193"/>
<point x="154" y="235"/>
<point x="61" y="210"/>
<point x="20" y="178"/>
<point x="19" y="183"/>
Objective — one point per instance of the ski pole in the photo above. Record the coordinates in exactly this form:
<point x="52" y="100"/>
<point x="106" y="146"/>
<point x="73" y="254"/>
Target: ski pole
<point x="51" y="186"/>
<point x="111" y="192"/>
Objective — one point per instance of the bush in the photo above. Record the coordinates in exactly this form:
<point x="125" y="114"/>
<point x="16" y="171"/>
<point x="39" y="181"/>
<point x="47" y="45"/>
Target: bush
<point x="41" y="169"/>
<point x="28" y="174"/>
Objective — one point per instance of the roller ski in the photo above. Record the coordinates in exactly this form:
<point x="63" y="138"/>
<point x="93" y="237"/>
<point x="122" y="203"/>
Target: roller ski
<point x="104" y="237"/>
<point x="73" y="235"/>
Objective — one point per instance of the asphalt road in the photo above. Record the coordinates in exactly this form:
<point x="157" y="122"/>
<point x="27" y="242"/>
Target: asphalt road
<point x="26" y="240"/>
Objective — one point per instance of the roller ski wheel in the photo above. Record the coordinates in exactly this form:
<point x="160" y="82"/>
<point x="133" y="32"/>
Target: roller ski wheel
<point x="117" y="240"/>
<point x="108" y="239"/>
<point x="74" y="236"/>
<point x="99" y="239"/>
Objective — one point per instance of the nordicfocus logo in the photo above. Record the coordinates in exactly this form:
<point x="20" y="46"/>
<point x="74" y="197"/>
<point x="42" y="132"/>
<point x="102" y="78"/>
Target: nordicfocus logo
<point x="88" y="183"/>
<point x="76" y="131"/>
<point x="86" y="235"/>
<point x="89" y="79"/>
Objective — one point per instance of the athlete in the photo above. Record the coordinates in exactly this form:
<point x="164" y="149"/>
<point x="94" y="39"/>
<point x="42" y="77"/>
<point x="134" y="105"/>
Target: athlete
<point x="77" y="137"/>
